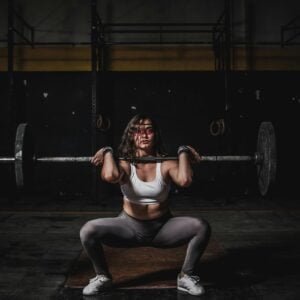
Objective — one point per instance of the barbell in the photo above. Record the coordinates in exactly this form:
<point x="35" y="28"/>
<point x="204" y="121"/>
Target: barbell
<point x="264" y="158"/>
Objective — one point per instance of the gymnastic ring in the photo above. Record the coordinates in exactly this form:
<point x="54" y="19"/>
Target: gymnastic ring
<point x="222" y="125"/>
<point x="212" y="125"/>
<point x="99" y="121"/>
<point x="108" y="124"/>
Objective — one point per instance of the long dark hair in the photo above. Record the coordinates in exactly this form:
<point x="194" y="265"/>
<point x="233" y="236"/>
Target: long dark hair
<point x="127" y="147"/>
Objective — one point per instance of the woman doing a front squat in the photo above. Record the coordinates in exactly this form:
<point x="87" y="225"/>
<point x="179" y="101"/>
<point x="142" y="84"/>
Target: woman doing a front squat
<point x="146" y="219"/>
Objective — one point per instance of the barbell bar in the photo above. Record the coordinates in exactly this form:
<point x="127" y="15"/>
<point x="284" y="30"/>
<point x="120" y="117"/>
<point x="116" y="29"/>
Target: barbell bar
<point x="7" y="160"/>
<point x="264" y="157"/>
<point x="85" y="159"/>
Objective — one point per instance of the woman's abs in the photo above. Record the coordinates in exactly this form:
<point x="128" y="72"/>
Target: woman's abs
<point x="145" y="212"/>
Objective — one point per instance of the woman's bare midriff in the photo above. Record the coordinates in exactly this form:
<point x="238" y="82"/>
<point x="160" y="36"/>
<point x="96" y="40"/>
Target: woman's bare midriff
<point x="145" y="212"/>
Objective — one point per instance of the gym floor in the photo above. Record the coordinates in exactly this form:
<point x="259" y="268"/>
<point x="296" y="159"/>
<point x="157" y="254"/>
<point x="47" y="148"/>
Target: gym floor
<point x="40" y="244"/>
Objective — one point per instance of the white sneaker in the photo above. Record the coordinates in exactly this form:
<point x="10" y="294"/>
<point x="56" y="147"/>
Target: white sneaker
<point x="190" y="284"/>
<point x="97" y="284"/>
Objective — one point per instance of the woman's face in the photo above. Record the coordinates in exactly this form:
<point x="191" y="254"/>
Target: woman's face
<point x="143" y="135"/>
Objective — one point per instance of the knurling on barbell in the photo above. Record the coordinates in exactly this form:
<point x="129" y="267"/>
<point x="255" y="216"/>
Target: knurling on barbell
<point x="264" y="158"/>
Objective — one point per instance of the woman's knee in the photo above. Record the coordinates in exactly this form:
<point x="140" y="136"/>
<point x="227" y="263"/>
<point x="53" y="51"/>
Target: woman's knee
<point x="88" y="232"/>
<point x="202" y="227"/>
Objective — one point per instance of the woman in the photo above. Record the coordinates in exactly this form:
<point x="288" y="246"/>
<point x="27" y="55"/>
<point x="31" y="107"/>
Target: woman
<point x="146" y="219"/>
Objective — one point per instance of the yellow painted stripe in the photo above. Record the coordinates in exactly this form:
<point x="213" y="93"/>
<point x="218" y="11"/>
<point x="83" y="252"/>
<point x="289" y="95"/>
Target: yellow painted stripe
<point x="150" y="58"/>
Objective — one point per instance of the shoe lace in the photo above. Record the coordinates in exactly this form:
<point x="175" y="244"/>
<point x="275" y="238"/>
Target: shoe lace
<point x="195" y="278"/>
<point x="98" y="277"/>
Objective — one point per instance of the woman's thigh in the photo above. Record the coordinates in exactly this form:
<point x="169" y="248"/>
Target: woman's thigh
<point x="177" y="231"/>
<point x="115" y="232"/>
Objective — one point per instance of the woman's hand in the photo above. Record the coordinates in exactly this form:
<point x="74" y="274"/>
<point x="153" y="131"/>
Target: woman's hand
<point x="98" y="158"/>
<point x="194" y="156"/>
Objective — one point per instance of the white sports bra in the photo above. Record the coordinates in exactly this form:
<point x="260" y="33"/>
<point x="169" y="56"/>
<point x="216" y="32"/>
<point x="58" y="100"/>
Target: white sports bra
<point x="145" y="192"/>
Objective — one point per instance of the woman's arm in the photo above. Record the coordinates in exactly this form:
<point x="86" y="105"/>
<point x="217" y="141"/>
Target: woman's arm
<point x="110" y="171"/>
<point x="181" y="172"/>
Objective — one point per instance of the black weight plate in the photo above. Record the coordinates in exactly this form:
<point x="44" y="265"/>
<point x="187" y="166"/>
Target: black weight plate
<point x="24" y="156"/>
<point x="266" y="148"/>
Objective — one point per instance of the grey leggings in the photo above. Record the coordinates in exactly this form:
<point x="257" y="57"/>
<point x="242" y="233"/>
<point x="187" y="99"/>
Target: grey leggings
<point x="164" y="232"/>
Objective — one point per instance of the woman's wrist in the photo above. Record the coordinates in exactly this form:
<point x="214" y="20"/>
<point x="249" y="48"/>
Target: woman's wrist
<point x="183" y="149"/>
<point x="106" y="150"/>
